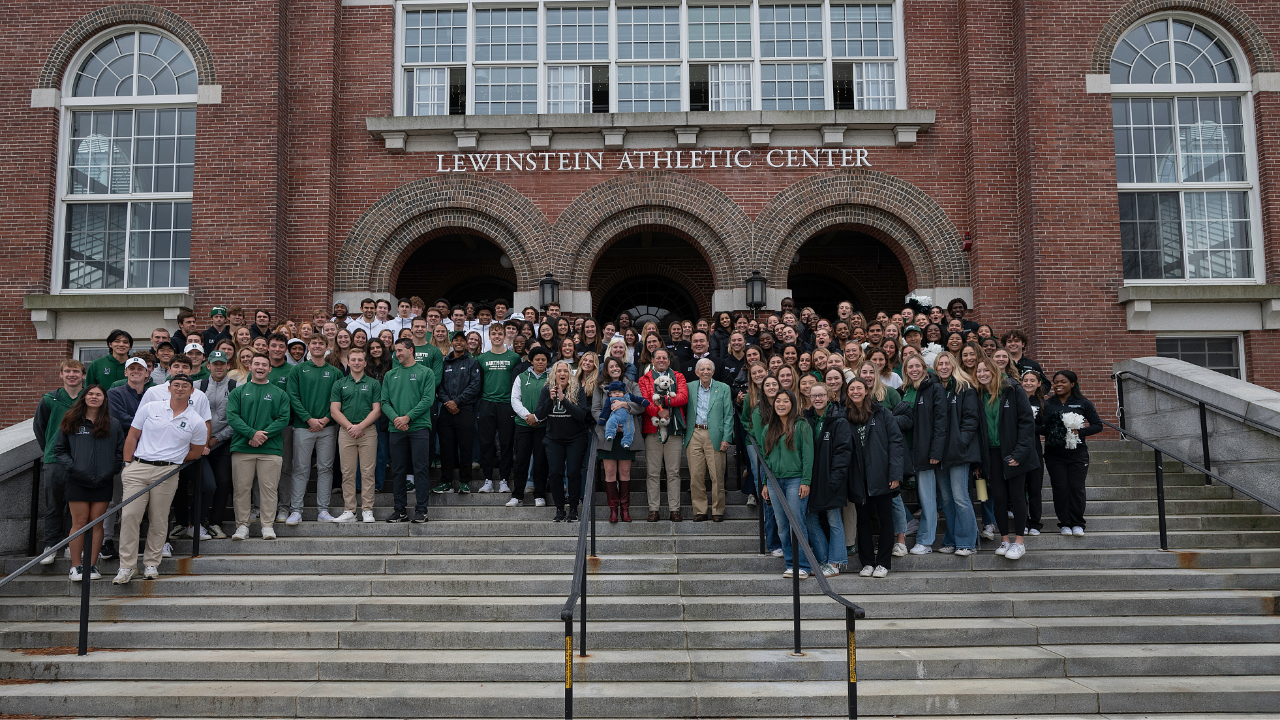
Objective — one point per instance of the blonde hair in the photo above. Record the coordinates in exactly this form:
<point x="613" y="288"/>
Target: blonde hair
<point x="571" y="394"/>
<point x="878" y="388"/>
<point x="592" y="378"/>
<point x="963" y="381"/>
<point x="997" y="379"/>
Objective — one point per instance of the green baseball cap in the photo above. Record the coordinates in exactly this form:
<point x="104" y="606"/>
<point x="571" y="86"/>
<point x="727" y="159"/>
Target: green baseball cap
<point x="219" y="356"/>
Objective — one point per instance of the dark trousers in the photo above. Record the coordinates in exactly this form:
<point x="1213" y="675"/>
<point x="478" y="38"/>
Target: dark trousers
<point x="184" y="510"/>
<point x="57" y="516"/>
<point x="496" y="418"/>
<point x="218" y="465"/>
<point x="882" y="506"/>
<point x="410" y="454"/>
<point x="565" y="458"/>
<point x="1067" y="474"/>
<point x="1006" y="493"/>
<point x="530" y="448"/>
<point x="457" y="433"/>
<point x="747" y="484"/>
<point x="1034" y="487"/>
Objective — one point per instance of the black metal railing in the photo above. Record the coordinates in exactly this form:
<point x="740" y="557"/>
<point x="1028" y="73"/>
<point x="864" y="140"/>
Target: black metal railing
<point x="88" y="545"/>
<point x="800" y="542"/>
<point x="578" y="590"/>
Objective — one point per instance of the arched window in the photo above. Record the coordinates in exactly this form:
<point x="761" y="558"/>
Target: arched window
<point x="1184" y="155"/>
<point x="129" y="126"/>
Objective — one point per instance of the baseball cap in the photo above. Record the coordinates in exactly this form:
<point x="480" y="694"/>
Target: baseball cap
<point x="135" y="361"/>
<point x="183" y="377"/>
<point x="167" y="344"/>
<point x="912" y="328"/>
<point x="218" y="310"/>
<point x="219" y="356"/>
<point x="196" y="347"/>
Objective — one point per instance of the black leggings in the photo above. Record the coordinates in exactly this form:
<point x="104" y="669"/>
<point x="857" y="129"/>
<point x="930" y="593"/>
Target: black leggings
<point x="1007" y="493"/>
<point x="1035" y="486"/>
<point x="882" y="506"/>
<point x="1067" y="475"/>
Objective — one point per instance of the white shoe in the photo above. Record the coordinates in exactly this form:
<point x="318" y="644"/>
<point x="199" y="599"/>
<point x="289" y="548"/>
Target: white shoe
<point x="1077" y="531"/>
<point x="1066" y="531"/>
<point x="751" y="501"/>
<point x="899" y="550"/>
<point x="542" y="502"/>
<point x="204" y="533"/>
<point x="167" y="551"/>
<point x="150" y="572"/>
<point x="1010" y="513"/>
<point x="293" y="519"/>
<point x="503" y="487"/>
<point x="788" y="572"/>
<point x="346" y="516"/>
<point x="1032" y="531"/>
<point x="866" y="571"/>
<point x="804" y="574"/>
<point x="282" y="514"/>
<point x="777" y="553"/>
<point x="66" y="552"/>
<point x="366" y="516"/>
<point x="253" y="515"/>
<point x="75" y="575"/>
<point x="1004" y="548"/>
<point x="830" y="570"/>
<point x="921" y="549"/>
<point x="487" y="487"/>
<point x="514" y="502"/>
<point x="123" y="577"/>
<point x="241" y="533"/>
<point x="988" y="532"/>
<point x="323" y="516"/>
<point x="50" y="558"/>
<point x="964" y="552"/>
<point x="268" y="533"/>
<point x="1016" y="550"/>
<point x="880" y="572"/>
<point x="948" y="549"/>
<point x="94" y="574"/>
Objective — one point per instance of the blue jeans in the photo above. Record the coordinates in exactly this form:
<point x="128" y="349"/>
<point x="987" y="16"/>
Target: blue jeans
<point x="827" y="548"/>
<point x="620" y="418"/>
<point x="771" y="541"/>
<point x="962" y="526"/>
<point x="988" y="510"/>
<point x="791" y="488"/>
<point x="900" y="516"/>
<point x="927" y="488"/>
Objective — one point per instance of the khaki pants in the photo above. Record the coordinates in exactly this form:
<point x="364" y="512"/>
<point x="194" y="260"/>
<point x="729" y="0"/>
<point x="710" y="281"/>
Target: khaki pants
<point x="365" y="449"/>
<point x="705" y="460"/>
<point x="656" y="455"/>
<point x="155" y="504"/>
<point x="244" y="466"/>
<point x="849" y="516"/>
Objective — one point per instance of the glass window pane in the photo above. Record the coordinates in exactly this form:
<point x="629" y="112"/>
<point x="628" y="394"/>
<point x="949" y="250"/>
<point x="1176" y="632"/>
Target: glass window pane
<point x="436" y="36"/>
<point x="783" y="94"/>
<point x="714" y="29"/>
<point x="851" y="23"/>
<point x="506" y="90"/>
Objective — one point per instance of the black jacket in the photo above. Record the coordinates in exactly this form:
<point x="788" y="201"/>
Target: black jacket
<point x="571" y="421"/>
<point x="902" y="416"/>
<point x="927" y="423"/>
<point x="91" y="462"/>
<point x="881" y="461"/>
<point x="964" y="415"/>
<point x="719" y="342"/>
<point x="460" y="380"/>
<point x="832" y="454"/>
<point x="689" y="365"/>
<point x="1076" y="404"/>
<point x="730" y="367"/>
<point x="1017" y="432"/>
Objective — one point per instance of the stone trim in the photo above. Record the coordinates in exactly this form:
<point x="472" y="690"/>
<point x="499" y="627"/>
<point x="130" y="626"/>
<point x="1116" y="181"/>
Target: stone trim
<point x="129" y="13"/>
<point x="1225" y="13"/>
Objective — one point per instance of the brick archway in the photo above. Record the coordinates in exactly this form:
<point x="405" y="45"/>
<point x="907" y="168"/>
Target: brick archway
<point x="95" y="22"/>
<point x="1245" y="30"/>
<point x="904" y="217"/>
<point x="710" y="220"/>
<point x="602" y="286"/>
<point x="399" y="221"/>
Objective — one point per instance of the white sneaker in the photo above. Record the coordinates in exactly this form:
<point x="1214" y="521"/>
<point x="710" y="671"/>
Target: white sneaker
<point x="964" y="552"/>
<point x="1066" y="531"/>
<point x="788" y="573"/>
<point x="866" y="571"/>
<point x="804" y="574"/>
<point x="487" y="487"/>
<point x="542" y="502"/>
<point x="1077" y="531"/>
<point x="282" y="514"/>
<point x="1032" y="531"/>
<point x="241" y="533"/>
<point x="503" y="487"/>
<point x="66" y="552"/>
<point x="366" y="516"/>
<point x="921" y="549"/>
<point x="123" y="577"/>
<point x="204" y="533"/>
<point x="899" y="550"/>
<point x="268" y="533"/>
<point x="150" y="572"/>
<point x="1010" y="513"/>
<point x="293" y="519"/>
<point x="988" y="532"/>
<point x="323" y="516"/>
<point x="345" y="517"/>
<point x="167" y="551"/>
<point x="777" y="553"/>
<point x="1004" y="548"/>
<point x="50" y="558"/>
<point x="948" y="549"/>
<point x="880" y="572"/>
<point x="830" y="570"/>
<point x="75" y="575"/>
<point x="1016" y="550"/>
<point x="514" y="502"/>
<point x="751" y="501"/>
<point x="94" y="574"/>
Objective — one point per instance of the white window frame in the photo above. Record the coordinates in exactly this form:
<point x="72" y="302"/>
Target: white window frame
<point x="62" y="197"/>
<point x="1236" y="336"/>
<point x="81" y="345"/>
<point x="899" y="51"/>
<point x="1244" y="91"/>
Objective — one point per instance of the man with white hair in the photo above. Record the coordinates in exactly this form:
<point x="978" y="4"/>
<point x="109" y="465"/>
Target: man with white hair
<point x="710" y="431"/>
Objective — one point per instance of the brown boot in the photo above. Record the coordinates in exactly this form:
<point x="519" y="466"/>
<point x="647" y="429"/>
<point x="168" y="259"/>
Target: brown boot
<point x="611" y="491"/>
<point x="624" y="499"/>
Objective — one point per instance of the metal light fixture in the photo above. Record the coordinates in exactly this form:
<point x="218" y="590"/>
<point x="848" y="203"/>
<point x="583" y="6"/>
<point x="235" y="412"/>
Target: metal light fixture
<point x="548" y="291"/>
<point x="757" y="288"/>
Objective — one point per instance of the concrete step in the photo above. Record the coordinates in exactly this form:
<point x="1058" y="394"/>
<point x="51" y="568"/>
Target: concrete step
<point x="1198" y="491"/>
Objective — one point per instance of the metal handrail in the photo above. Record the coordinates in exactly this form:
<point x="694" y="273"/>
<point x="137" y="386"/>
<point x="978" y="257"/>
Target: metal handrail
<point x="88" y="551"/>
<point x="578" y="588"/>
<point x="1216" y="408"/>
<point x="800" y="541"/>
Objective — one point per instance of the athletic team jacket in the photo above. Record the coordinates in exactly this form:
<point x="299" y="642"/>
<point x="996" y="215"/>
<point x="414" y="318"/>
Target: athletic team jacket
<point x="1017" y="432"/>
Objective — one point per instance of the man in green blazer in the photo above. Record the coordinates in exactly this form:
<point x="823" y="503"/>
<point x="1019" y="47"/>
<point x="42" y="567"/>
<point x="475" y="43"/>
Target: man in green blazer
<point x="710" y="419"/>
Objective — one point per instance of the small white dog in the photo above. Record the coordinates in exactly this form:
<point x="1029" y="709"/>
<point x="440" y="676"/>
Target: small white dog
<point x="664" y="388"/>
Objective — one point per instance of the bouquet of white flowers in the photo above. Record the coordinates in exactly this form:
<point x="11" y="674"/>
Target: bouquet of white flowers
<point x="1072" y="422"/>
<point x="930" y="353"/>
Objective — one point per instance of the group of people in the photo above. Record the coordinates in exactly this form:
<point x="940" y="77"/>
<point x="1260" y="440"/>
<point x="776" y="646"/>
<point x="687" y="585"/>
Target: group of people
<point x="844" y="412"/>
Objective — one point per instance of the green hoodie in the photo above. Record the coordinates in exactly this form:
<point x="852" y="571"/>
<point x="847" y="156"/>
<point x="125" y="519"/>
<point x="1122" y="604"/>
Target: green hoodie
<point x="788" y="463"/>
<point x="309" y="387"/>
<point x="49" y="414"/>
<point x="409" y="390"/>
<point x="104" y="371"/>
<point x="252" y="407"/>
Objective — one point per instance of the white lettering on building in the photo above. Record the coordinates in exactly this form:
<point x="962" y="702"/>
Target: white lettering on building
<point x="656" y="159"/>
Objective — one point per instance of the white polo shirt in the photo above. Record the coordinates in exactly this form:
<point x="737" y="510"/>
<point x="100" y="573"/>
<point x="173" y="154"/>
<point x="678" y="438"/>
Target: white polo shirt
<point x="160" y="393"/>
<point x="167" y="437"/>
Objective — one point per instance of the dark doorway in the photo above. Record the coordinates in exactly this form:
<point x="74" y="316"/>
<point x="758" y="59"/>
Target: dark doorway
<point x="677" y="281"/>
<point x="845" y="264"/>
<point x="648" y="298"/>
<point x="820" y="292"/>
<point x="459" y="267"/>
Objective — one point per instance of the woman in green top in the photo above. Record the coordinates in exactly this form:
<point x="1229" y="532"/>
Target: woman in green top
<point x="1007" y="431"/>
<point x="788" y="454"/>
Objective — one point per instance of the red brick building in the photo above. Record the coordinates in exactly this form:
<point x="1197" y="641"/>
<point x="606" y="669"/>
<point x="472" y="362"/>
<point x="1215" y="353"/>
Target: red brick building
<point x="1100" y="174"/>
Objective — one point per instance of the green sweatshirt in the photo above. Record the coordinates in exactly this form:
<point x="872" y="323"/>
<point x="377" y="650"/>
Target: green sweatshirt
<point x="409" y="390"/>
<point x="496" y="370"/>
<point x="280" y="375"/>
<point x="430" y="356"/>
<point x="308" y="386"/>
<point x="530" y="387"/>
<point x="104" y="371"/>
<point x="788" y="463"/>
<point x="252" y="407"/>
<point x="992" y="411"/>
<point x="891" y="398"/>
<point x="53" y="406"/>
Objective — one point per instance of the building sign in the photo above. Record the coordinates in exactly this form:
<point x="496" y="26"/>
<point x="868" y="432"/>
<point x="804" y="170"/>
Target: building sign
<point x="652" y="159"/>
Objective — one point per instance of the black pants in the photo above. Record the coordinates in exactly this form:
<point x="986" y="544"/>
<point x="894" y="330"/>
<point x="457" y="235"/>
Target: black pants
<point x="565" y="458"/>
<point x="868" y="554"/>
<point x="1067" y="474"/>
<point x="1007" y="493"/>
<point x="530" y="448"/>
<point x="218" y="464"/>
<point x="185" y="511"/>
<point x="457" y="435"/>
<point x="496" y="418"/>
<point x="411" y="454"/>
<point x="57" y="515"/>
<point x="1034" y="487"/>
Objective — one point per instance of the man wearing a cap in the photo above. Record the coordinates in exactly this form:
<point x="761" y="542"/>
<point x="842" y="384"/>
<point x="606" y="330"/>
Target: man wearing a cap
<point x="309" y="388"/>
<point x="109" y="368"/>
<point x="123" y="400"/>
<point x="217" y="466"/>
<point x="408" y="392"/>
<point x="163" y="435"/>
<point x="195" y="353"/>
<point x="219" y="330"/>
<point x="164" y="352"/>
<point x="258" y="413"/>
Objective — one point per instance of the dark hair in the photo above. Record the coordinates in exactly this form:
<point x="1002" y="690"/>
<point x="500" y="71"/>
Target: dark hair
<point x="78" y="411"/>
<point x="1015" y="333"/>
<point x="280" y="337"/>
<point x="116" y="335"/>
<point x="181" y="358"/>
<point x="962" y="302"/>
<point x="780" y="429"/>
<point x="1075" y="382"/>
<point x="861" y="413"/>
<point x="407" y="342"/>
<point x="538" y="350"/>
